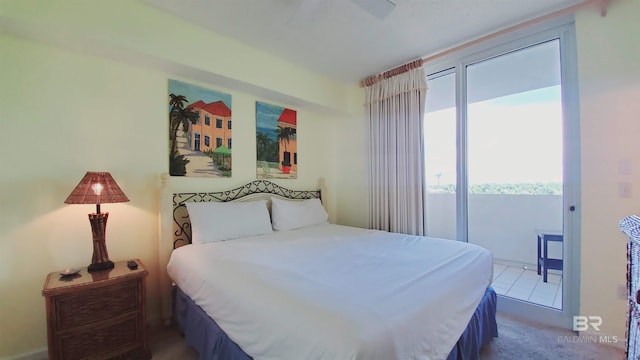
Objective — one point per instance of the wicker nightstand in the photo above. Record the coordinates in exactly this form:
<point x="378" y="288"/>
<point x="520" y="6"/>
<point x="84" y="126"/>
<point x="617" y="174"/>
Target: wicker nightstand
<point x="98" y="315"/>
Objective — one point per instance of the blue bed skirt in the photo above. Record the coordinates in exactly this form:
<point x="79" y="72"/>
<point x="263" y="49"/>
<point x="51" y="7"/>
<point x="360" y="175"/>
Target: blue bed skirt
<point x="204" y="334"/>
<point x="480" y="330"/>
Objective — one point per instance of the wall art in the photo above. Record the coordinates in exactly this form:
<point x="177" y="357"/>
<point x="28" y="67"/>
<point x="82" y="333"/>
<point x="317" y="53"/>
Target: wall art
<point x="276" y="142"/>
<point x="200" y="131"/>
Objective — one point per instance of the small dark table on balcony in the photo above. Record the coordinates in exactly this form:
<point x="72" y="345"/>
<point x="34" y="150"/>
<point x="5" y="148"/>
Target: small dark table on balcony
<point x="544" y="262"/>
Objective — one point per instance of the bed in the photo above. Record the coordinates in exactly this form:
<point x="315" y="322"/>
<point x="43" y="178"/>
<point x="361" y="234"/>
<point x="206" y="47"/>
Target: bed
<point x="316" y="291"/>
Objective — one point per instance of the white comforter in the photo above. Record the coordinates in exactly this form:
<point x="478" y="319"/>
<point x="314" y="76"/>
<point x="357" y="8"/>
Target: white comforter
<point x="335" y="292"/>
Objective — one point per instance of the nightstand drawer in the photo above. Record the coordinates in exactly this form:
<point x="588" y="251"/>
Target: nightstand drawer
<point x="97" y="304"/>
<point x="98" y="315"/>
<point x="120" y="338"/>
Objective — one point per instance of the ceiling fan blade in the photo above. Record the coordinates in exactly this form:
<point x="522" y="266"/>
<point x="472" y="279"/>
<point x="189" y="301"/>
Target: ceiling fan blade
<point x="307" y="12"/>
<point x="378" y="8"/>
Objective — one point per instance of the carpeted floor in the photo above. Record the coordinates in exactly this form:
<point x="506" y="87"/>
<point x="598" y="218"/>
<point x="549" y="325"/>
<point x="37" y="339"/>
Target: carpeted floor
<point x="518" y="339"/>
<point x="523" y="340"/>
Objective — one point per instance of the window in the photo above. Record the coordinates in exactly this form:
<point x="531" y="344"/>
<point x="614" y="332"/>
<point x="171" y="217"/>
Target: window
<point x="196" y="142"/>
<point x="218" y="123"/>
<point x="440" y="155"/>
<point x="229" y="143"/>
<point x="207" y="141"/>
<point x="229" y="124"/>
<point x="207" y="120"/>
<point x="218" y="142"/>
<point x="500" y="127"/>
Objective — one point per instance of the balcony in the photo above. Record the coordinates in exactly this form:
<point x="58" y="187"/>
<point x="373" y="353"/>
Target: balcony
<point x="508" y="226"/>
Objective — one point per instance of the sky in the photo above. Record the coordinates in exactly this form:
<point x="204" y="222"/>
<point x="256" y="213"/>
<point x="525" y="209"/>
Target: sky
<point x="194" y="93"/>
<point x="511" y="139"/>
<point x="267" y="116"/>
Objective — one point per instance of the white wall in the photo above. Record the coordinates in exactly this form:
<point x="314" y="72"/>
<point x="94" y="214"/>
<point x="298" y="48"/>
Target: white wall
<point x="609" y="75"/>
<point x="79" y="93"/>
<point x="89" y="94"/>
<point x="507" y="225"/>
<point x="609" y="85"/>
<point x="352" y="164"/>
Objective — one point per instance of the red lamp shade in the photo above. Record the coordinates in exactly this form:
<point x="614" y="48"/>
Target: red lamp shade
<point x="98" y="188"/>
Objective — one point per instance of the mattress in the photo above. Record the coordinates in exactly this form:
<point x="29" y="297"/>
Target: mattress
<point x="335" y="292"/>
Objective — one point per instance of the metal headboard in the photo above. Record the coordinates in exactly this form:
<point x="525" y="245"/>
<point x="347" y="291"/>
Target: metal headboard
<point x="252" y="191"/>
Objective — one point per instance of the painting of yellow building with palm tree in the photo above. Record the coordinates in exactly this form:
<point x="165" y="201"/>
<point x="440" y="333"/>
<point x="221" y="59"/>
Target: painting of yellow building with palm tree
<point x="276" y="142"/>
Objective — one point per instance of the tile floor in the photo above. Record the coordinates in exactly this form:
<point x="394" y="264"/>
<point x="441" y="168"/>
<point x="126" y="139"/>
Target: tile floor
<point x="525" y="284"/>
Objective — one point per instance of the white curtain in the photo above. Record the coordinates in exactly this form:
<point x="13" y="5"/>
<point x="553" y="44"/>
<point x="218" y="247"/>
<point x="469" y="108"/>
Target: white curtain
<point x="395" y="109"/>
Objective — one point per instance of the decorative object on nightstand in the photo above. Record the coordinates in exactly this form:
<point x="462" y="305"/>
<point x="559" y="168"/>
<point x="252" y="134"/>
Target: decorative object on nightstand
<point x="98" y="315"/>
<point x="631" y="227"/>
<point x="97" y="188"/>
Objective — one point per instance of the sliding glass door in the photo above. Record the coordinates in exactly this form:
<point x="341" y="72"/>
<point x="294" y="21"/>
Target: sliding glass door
<point x="515" y="168"/>
<point x="500" y="125"/>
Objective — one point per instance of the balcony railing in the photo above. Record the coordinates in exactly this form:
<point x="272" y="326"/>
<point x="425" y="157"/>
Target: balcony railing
<point x="508" y="226"/>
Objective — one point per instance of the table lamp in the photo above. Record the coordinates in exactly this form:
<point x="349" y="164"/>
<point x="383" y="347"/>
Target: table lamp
<point x="97" y="188"/>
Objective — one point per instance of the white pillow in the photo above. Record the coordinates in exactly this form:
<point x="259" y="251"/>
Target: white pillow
<point x="294" y="214"/>
<point x="217" y="221"/>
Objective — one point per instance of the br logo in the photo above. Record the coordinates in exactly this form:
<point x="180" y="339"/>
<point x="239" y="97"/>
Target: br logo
<point x="582" y="323"/>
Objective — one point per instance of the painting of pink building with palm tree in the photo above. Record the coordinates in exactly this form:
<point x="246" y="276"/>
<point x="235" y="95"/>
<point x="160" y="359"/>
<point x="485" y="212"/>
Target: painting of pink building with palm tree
<point x="276" y="142"/>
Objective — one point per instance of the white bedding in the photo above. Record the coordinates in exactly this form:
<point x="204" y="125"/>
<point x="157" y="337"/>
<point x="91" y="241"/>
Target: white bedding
<point x="336" y="292"/>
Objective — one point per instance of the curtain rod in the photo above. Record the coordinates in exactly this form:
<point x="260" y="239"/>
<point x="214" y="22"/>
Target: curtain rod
<point x="602" y="4"/>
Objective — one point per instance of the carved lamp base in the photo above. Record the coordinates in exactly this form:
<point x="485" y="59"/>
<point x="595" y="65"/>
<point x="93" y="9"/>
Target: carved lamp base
<point x="100" y="259"/>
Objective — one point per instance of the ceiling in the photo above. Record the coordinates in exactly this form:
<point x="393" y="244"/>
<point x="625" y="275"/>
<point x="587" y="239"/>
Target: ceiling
<point x="350" y="40"/>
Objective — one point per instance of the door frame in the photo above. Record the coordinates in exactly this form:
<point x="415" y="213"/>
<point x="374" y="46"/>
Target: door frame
<point x="564" y="30"/>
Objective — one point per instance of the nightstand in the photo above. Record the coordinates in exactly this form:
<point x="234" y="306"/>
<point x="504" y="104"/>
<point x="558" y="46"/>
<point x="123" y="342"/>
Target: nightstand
<point x="98" y="315"/>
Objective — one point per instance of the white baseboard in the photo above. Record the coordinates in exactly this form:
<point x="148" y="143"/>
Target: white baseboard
<point x="40" y="354"/>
